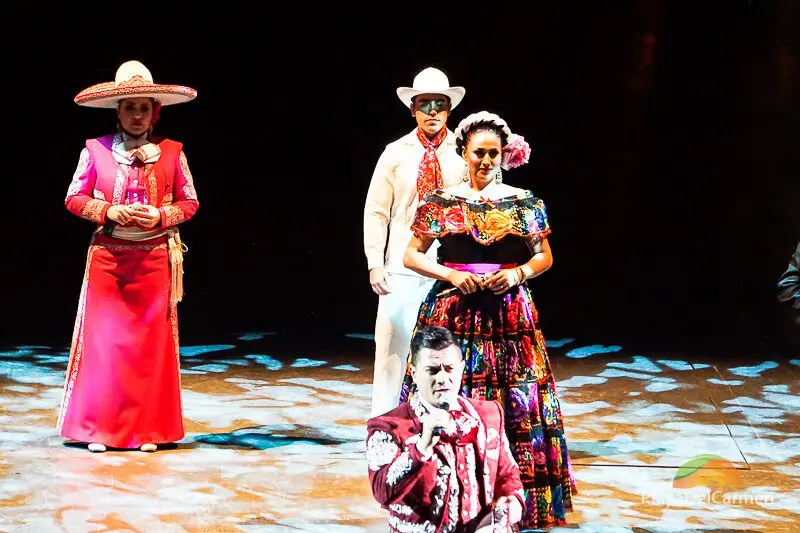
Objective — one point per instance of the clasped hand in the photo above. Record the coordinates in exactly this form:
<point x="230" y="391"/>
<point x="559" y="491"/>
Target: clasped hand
<point x="497" y="282"/>
<point x="145" y="216"/>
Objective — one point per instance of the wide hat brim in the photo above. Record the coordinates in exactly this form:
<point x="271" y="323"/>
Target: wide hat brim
<point x="456" y="94"/>
<point x="107" y="95"/>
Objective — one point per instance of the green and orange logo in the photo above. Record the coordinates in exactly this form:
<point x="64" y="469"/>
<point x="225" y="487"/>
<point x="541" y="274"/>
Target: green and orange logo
<point x="712" y="471"/>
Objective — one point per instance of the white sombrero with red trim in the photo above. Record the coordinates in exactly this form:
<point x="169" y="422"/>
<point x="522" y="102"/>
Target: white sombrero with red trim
<point x="133" y="80"/>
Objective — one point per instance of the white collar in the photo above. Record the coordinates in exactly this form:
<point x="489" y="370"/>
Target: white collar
<point x="125" y="149"/>
<point x="455" y="406"/>
<point x="411" y="139"/>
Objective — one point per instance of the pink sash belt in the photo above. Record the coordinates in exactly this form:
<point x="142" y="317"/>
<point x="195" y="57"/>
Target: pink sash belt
<point x="479" y="268"/>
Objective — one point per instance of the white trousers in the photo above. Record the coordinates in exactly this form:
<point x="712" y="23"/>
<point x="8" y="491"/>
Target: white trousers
<point x="394" y="324"/>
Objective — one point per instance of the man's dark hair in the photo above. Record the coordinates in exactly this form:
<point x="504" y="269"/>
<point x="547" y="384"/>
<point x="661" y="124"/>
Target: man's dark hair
<point x="433" y="338"/>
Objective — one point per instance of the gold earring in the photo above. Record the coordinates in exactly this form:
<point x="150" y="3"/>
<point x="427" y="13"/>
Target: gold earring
<point x="466" y="174"/>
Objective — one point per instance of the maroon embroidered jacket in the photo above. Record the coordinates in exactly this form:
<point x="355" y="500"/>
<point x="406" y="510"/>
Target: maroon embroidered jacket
<point x="456" y="484"/>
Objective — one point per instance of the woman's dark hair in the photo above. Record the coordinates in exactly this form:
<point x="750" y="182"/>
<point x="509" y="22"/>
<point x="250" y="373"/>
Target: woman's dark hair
<point x="482" y="125"/>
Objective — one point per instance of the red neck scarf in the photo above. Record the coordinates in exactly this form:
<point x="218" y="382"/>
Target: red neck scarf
<point x="429" y="175"/>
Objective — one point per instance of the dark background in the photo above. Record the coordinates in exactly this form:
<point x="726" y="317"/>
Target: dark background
<point x="665" y="143"/>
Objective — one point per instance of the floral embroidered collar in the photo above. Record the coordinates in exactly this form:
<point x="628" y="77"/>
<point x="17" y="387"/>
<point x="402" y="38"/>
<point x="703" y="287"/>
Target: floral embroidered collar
<point x="465" y="420"/>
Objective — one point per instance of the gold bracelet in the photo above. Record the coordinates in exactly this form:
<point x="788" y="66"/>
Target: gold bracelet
<point x="521" y="275"/>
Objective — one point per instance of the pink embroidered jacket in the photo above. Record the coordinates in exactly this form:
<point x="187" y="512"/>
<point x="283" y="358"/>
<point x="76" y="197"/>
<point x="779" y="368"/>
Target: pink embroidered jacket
<point x="453" y="487"/>
<point x="106" y="171"/>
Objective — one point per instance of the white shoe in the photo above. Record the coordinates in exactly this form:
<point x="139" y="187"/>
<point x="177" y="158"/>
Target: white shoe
<point x="149" y="447"/>
<point x="96" y="447"/>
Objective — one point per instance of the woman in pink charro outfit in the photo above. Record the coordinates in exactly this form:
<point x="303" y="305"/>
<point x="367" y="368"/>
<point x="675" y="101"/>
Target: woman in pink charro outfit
<point x="122" y="386"/>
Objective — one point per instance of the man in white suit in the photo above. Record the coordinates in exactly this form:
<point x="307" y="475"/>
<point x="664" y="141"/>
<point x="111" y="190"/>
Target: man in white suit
<point x="409" y="169"/>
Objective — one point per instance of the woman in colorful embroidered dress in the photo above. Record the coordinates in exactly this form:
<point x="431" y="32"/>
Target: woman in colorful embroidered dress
<point x="492" y="238"/>
<point x="122" y="386"/>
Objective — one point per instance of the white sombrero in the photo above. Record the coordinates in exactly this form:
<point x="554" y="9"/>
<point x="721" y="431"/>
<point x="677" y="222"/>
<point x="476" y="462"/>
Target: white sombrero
<point x="431" y="81"/>
<point x="133" y="80"/>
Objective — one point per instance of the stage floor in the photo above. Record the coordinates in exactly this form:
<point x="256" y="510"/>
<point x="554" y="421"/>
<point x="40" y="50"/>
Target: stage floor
<point x="275" y="442"/>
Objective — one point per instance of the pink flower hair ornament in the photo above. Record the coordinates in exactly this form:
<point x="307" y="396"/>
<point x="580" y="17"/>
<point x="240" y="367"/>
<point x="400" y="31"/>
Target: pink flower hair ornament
<point x="516" y="153"/>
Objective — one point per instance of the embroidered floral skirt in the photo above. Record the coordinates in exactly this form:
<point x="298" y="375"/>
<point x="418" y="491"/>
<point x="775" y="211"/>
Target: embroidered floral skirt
<point x="506" y="360"/>
<point x="122" y="385"/>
